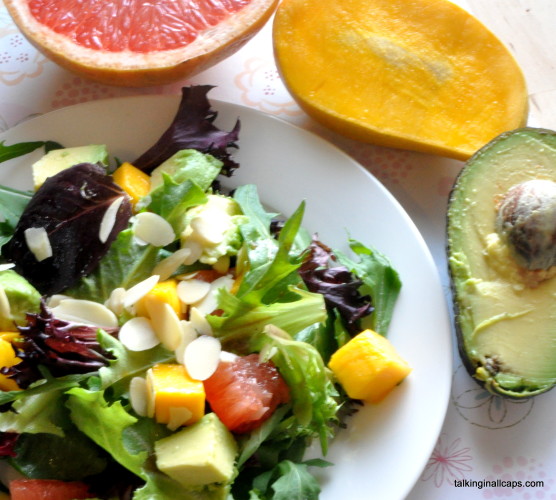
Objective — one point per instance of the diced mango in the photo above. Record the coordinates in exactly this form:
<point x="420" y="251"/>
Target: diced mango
<point x="163" y="291"/>
<point x="171" y="391"/>
<point x="368" y="367"/>
<point x="7" y="359"/>
<point x="133" y="181"/>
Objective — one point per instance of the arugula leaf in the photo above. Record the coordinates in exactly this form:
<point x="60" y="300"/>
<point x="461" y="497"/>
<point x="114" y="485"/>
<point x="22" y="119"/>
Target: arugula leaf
<point x="311" y="388"/>
<point x="105" y="425"/>
<point x="13" y="203"/>
<point x="287" y="481"/>
<point x="242" y="320"/>
<point x="23" y="148"/>
<point x="263" y="272"/>
<point x="380" y="280"/>
<point x="126" y="264"/>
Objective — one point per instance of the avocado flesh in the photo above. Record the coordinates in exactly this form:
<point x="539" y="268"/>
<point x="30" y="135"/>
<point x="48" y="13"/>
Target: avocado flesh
<point x="506" y="328"/>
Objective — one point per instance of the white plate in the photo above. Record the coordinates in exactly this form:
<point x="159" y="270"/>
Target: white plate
<point x="386" y="446"/>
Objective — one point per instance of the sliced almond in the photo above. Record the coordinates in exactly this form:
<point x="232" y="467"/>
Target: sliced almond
<point x="192" y="290"/>
<point x="138" y="395"/>
<point x="109" y="219"/>
<point x="139" y="290"/>
<point x="168" y="266"/>
<point x="202" y="356"/>
<point x="151" y="395"/>
<point x="6" y="266"/>
<point x="199" y="322"/>
<point x="153" y="229"/>
<point x="85" y="312"/>
<point x="179" y="416"/>
<point x="196" y="250"/>
<point x="5" y="309"/>
<point x="166" y="323"/>
<point x="116" y="300"/>
<point x="188" y="335"/>
<point x="210" y="302"/>
<point x="38" y="242"/>
<point x="228" y="357"/>
<point x="138" y="334"/>
<point x="55" y="299"/>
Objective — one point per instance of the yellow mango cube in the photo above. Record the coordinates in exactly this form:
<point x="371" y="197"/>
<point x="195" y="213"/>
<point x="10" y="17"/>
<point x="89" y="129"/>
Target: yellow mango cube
<point x="7" y="359"/>
<point x="173" y="393"/>
<point x="368" y="367"/>
<point x="133" y="181"/>
<point x="163" y="291"/>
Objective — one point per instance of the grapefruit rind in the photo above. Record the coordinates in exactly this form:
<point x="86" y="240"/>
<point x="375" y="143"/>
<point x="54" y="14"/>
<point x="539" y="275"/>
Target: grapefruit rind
<point x="132" y="69"/>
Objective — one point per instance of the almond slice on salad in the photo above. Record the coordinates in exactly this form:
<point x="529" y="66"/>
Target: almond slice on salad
<point x="153" y="229"/>
<point x="168" y="266"/>
<point x="193" y="290"/>
<point x="166" y="323"/>
<point x="188" y="335"/>
<point x="85" y="312"/>
<point x="199" y="322"/>
<point x="138" y="291"/>
<point x="109" y="219"/>
<point x="201" y="357"/>
<point x="138" y="395"/>
<point x="6" y="266"/>
<point x="138" y="334"/>
<point x="38" y="243"/>
<point x="116" y="300"/>
<point x="210" y="302"/>
<point x="5" y="309"/>
<point x="195" y="248"/>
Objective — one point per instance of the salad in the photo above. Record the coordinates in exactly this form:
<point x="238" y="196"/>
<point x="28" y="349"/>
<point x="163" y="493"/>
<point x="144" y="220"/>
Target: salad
<point x="163" y="338"/>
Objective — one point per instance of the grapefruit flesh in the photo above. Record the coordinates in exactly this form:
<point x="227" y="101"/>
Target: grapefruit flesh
<point x="245" y="392"/>
<point x="139" y="42"/>
<point x="48" y="489"/>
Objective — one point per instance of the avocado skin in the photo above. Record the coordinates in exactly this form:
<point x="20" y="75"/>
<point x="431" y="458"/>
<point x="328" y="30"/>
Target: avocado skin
<point x="529" y="146"/>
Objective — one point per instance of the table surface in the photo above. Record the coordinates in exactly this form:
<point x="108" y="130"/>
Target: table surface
<point x="483" y="437"/>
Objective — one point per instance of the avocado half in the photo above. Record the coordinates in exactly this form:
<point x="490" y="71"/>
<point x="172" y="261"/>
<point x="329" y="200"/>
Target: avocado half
<point x="501" y="246"/>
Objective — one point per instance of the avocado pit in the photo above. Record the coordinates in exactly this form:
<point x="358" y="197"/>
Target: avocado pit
<point x="526" y="221"/>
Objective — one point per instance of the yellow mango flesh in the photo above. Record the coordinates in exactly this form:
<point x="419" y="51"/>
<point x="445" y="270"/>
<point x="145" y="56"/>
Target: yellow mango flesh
<point x="133" y="181"/>
<point x="163" y="291"/>
<point x="421" y="75"/>
<point x="170" y="386"/>
<point x="7" y="359"/>
<point x="368" y="367"/>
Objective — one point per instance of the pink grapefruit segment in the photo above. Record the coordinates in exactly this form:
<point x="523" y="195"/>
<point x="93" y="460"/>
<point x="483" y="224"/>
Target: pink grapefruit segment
<point x="139" y="42"/>
<point x="244" y="393"/>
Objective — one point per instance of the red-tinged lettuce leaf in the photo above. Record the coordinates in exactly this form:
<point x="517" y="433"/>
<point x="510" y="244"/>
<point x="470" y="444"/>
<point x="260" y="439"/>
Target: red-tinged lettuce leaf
<point x="70" y="206"/>
<point x="339" y="286"/>
<point x="8" y="441"/>
<point x="62" y="347"/>
<point x="193" y="128"/>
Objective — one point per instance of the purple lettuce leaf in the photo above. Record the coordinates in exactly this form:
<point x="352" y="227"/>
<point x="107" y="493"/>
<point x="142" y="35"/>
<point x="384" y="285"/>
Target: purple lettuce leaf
<point x="338" y="285"/>
<point x="62" y="347"/>
<point x="193" y="128"/>
<point x="70" y="207"/>
<point x="8" y="441"/>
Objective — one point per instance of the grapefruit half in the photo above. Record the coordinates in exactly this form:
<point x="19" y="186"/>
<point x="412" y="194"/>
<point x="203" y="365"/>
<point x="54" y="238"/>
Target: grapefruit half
<point x="139" y="43"/>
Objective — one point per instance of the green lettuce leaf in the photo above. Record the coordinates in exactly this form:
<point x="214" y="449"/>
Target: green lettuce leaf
<point x="126" y="264"/>
<point x="313" y="395"/>
<point x="172" y="199"/>
<point x="380" y="280"/>
<point x="105" y="425"/>
<point x="242" y="320"/>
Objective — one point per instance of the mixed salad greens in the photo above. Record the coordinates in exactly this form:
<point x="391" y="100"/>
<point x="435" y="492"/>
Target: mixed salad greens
<point x="67" y="409"/>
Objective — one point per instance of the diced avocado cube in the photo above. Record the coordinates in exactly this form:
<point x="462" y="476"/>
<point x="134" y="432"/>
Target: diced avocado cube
<point x="21" y="298"/>
<point x="57" y="160"/>
<point x="201" y="454"/>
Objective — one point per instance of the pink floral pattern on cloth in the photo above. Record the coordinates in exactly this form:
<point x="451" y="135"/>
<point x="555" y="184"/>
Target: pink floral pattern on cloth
<point x="449" y="461"/>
